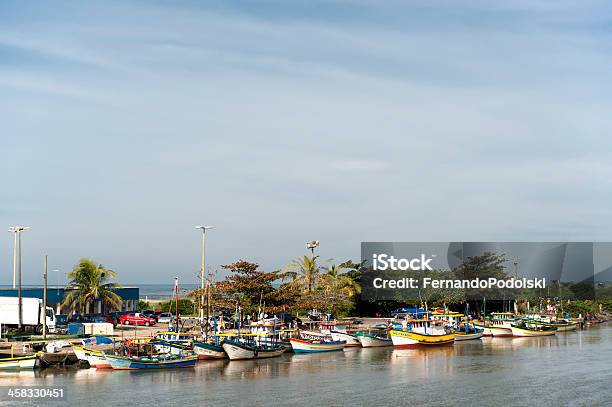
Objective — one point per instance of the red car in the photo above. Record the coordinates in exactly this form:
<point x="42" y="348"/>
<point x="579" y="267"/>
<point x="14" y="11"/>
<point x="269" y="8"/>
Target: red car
<point x="136" y="318"/>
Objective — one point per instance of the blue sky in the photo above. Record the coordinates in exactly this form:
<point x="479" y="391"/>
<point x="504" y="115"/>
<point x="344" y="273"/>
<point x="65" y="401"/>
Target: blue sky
<point x="125" y="124"/>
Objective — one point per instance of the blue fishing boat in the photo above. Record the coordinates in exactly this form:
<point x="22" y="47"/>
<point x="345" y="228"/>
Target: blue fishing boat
<point x="143" y="363"/>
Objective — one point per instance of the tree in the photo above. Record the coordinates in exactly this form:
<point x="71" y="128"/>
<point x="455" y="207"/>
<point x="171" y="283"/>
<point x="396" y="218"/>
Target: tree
<point x="304" y="270"/>
<point x="88" y="283"/>
<point x="339" y="287"/>
<point x="247" y="286"/>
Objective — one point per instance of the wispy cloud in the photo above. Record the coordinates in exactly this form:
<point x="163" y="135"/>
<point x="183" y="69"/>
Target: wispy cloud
<point x="281" y="122"/>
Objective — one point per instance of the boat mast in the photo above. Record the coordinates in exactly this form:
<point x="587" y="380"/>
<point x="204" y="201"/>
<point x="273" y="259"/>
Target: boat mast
<point x="467" y="318"/>
<point x="484" y="311"/>
<point x="176" y="304"/>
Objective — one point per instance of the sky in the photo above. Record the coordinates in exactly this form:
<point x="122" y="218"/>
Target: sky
<point x="124" y="124"/>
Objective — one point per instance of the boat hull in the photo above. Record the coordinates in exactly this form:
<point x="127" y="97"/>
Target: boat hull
<point x="25" y="362"/>
<point x="434" y="339"/>
<point x="372" y="341"/>
<point x="94" y="358"/>
<point x="402" y="339"/>
<point x="238" y="351"/>
<point x="127" y="363"/>
<point x="209" y="351"/>
<point x="462" y="336"/>
<point x="571" y="326"/>
<point x="495" y="330"/>
<point x="521" y="332"/>
<point x="351" y="340"/>
<point x="305" y="346"/>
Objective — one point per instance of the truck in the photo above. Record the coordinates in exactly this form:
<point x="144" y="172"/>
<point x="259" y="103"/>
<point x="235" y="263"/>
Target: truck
<point x="32" y="312"/>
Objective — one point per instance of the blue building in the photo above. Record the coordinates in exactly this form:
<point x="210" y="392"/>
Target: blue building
<point x="55" y="296"/>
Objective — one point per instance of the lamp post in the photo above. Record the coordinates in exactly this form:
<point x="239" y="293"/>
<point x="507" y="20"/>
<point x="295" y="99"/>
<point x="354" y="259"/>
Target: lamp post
<point x="202" y="271"/>
<point x="17" y="256"/>
<point x="312" y="245"/>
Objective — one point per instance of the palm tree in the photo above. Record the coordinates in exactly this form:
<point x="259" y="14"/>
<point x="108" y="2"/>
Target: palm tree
<point x="340" y="286"/>
<point x="88" y="283"/>
<point x="304" y="270"/>
<point x="342" y="281"/>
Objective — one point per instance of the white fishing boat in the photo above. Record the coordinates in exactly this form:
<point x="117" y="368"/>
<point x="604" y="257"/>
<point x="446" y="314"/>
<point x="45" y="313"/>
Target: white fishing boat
<point x="370" y="340"/>
<point x="237" y="350"/>
<point x="499" y="325"/>
<point x="313" y="346"/>
<point x="531" y="329"/>
<point x="327" y="327"/>
<point x="23" y="362"/>
<point x="95" y="358"/>
<point x="351" y="340"/>
<point x="402" y="339"/>
<point x="206" y="350"/>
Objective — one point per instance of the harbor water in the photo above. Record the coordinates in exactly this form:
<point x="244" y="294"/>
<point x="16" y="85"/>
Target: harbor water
<point x="573" y="368"/>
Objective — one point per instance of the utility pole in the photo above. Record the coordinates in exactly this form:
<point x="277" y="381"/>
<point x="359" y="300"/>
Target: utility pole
<point x="203" y="272"/>
<point x="14" y="258"/>
<point x="17" y="256"/>
<point x="45" y="301"/>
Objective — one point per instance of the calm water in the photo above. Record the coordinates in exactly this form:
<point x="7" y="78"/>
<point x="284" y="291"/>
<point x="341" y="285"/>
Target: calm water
<point x="566" y="369"/>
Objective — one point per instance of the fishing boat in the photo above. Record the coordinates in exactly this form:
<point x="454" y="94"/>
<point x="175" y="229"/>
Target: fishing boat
<point x="23" y="362"/>
<point x="499" y="325"/>
<point x="171" y="347"/>
<point x="530" y="329"/>
<point x="421" y="332"/>
<point x="237" y="349"/>
<point x="95" y="358"/>
<point x="434" y="339"/>
<point x="371" y="340"/>
<point x="402" y="339"/>
<point x="177" y="337"/>
<point x="350" y="339"/>
<point x="562" y="325"/>
<point x="312" y="346"/>
<point x="326" y="327"/>
<point x="206" y="350"/>
<point x="146" y="363"/>
<point x="468" y="333"/>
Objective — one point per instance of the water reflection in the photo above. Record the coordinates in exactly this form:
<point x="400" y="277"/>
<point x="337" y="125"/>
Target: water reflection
<point x="363" y="376"/>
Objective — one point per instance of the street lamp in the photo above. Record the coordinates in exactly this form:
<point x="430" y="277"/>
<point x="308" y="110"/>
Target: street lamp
<point x="312" y="245"/>
<point x="17" y="260"/>
<point x="203" y="277"/>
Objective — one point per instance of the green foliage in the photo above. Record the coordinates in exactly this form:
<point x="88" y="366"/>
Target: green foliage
<point x="185" y="306"/>
<point x="580" y="307"/>
<point x="246" y="286"/>
<point x="143" y="305"/>
<point x="88" y="283"/>
<point x="304" y="270"/>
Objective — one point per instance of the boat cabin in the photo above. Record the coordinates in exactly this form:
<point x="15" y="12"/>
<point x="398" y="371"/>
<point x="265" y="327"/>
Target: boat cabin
<point x="174" y="336"/>
<point x="336" y="326"/>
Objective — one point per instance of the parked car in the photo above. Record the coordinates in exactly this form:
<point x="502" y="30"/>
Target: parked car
<point x="117" y="314"/>
<point x="61" y="323"/>
<point x="136" y="318"/>
<point x="151" y="314"/>
<point x="165" y="317"/>
<point x="103" y="318"/>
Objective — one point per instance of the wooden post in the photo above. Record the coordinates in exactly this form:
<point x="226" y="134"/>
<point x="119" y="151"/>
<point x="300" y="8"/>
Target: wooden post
<point x="45" y="301"/>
